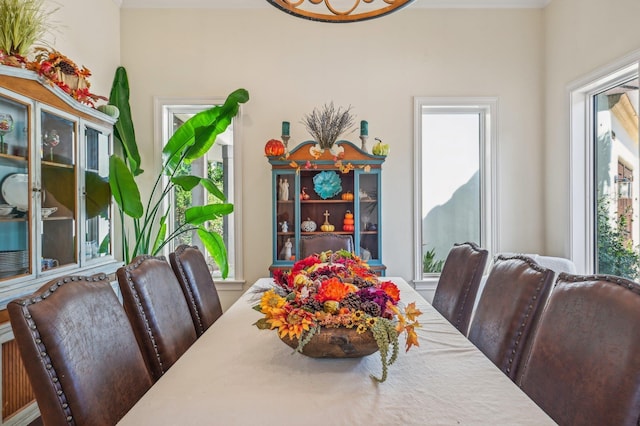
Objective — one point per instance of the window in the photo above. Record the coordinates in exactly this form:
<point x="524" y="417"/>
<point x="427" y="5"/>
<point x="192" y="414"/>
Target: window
<point x="454" y="197"/>
<point x="605" y="235"/>
<point x="217" y="164"/>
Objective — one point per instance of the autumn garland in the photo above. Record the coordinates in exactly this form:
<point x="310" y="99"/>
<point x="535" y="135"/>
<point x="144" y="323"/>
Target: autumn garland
<point x="331" y="290"/>
<point x="65" y="74"/>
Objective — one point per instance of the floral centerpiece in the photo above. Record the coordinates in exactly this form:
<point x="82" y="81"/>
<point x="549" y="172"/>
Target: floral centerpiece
<point x="334" y="291"/>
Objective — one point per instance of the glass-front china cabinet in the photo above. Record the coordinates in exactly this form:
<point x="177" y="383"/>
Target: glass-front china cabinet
<point x="55" y="203"/>
<point x="317" y="192"/>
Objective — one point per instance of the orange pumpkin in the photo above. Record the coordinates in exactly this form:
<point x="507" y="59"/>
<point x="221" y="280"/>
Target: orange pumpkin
<point x="347" y="196"/>
<point x="273" y="148"/>
<point x="348" y="224"/>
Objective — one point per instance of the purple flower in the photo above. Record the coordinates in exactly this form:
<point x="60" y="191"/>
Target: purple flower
<point x="376" y="295"/>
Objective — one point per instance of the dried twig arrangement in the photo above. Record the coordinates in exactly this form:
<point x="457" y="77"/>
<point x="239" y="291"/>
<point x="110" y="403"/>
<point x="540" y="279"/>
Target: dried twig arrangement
<point x="326" y="124"/>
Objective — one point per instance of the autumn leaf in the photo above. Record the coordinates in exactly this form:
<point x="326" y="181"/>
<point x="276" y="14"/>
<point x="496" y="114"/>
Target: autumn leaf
<point x="412" y="312"/>
<point x="402" y="324"/>
<point x="412" y="337"/>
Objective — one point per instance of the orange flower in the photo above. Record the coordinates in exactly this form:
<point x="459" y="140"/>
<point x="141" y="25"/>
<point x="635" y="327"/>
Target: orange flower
<point x="392" y="290"/>
<point x="333" y="289"/>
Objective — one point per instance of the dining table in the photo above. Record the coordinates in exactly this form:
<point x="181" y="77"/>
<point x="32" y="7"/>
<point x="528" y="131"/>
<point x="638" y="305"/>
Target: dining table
<point x="237" y="374"/>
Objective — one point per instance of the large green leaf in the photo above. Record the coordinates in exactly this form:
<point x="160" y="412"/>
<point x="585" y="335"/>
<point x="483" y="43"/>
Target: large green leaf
<point x="124" y="188"/>
<point x="162" y="233"/>
<point x="198" y="215"/>
<point x="206" y="136"/>
<point x="215" y="246"/>
<point x="196" y="136"/>
<point x="186" y="182"/>
<point x="213" y="189"/>
<point x="123" y="129"/>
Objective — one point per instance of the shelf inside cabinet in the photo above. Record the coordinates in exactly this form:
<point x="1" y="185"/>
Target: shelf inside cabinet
<point x="13" y="160"/>
<point x="12" y="219"/>
<point x="57" y="165"/>
<point x="51" y="218"/>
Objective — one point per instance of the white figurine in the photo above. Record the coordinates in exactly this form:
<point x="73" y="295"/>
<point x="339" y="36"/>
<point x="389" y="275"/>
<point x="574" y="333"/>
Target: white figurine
<point x="287" y="249"/>
<point x="285" y="226"/>
<point x="283" y="190"/>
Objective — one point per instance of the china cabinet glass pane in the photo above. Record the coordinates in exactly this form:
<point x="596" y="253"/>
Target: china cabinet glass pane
<point x="285" y="216"/>
<point x="368" y="207"/>
<point x="16" y="191"/>
<point x="97" y="195"/>
<point x="58" y="174"/>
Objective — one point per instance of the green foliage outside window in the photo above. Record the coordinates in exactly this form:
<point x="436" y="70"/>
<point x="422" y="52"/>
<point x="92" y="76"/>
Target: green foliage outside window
<point x="430" y="264"/>
<point x="183" y="201"/>
<point x="616" y="254"/>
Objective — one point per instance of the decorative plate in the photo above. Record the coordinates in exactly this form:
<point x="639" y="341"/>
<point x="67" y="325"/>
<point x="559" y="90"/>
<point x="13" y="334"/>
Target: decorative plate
<point x="327" y="184"/>
<point x="15" y="190"/>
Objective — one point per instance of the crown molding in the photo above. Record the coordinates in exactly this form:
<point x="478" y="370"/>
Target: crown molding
<point x="262" y="4"/>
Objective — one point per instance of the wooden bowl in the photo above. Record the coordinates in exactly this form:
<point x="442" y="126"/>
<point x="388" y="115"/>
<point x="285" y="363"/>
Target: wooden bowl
<point x="337" y="343"/>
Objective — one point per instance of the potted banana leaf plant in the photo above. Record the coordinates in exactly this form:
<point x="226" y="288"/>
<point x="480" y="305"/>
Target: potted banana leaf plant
<point x="144" y="227"/>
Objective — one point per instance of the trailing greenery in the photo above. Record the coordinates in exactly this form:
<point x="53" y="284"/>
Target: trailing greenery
<point x="616" y="254"/>
<point x="430" y="264"/>
<point x="384" y="331"/>
<point x="306" y="338"/>
<point x="22" y="23"/>
<point x="144" y="227"/>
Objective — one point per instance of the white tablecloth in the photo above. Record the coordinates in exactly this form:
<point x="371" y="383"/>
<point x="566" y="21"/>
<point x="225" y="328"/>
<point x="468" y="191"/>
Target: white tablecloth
<point x="236" y="374"/>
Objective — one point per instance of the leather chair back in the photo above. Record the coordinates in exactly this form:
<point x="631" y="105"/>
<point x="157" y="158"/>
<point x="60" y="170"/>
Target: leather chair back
<point x="459" y="282"/>
<point x="311" y="244"/>
<point x="509" y="308"/>
<point x="158" y="311"/>
<point x="584" y="363"/>
<point x="79" y="351"/>
<point x="191" y="269"/>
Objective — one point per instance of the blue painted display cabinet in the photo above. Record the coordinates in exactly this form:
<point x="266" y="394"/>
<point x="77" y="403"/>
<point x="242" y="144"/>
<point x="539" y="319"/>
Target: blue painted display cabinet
<point x="313" y="187"/>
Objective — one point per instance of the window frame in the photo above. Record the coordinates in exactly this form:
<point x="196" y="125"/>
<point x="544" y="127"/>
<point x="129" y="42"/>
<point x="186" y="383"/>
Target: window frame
<point x="162" y="107"/>
<point x="488" y="107"/>
<point x="582" y="231"/>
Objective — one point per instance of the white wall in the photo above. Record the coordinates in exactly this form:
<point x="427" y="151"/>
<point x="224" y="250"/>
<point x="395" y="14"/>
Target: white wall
<point x="580" y="36"/>
<point x="289" y="66"/>
<point x="88" y="33"/>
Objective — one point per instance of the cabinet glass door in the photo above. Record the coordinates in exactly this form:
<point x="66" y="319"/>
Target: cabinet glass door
<point x="97" y="195"/>
<point x="58" y="190"/>
<point x="286" y="220"/>
<point x="369" y="215"/>
<point x="15" y="250"/>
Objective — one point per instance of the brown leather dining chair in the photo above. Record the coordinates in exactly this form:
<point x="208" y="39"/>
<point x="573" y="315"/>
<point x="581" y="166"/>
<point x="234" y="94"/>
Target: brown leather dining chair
<point x="509" y="308"/>
<point x="79" y="351"/>
<point x="191" y="269"/>
<point x="459" y="282"/>
<point x="158" y="311"/>
<point x="317" y="243"/>
<point x="583" y="367"/>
